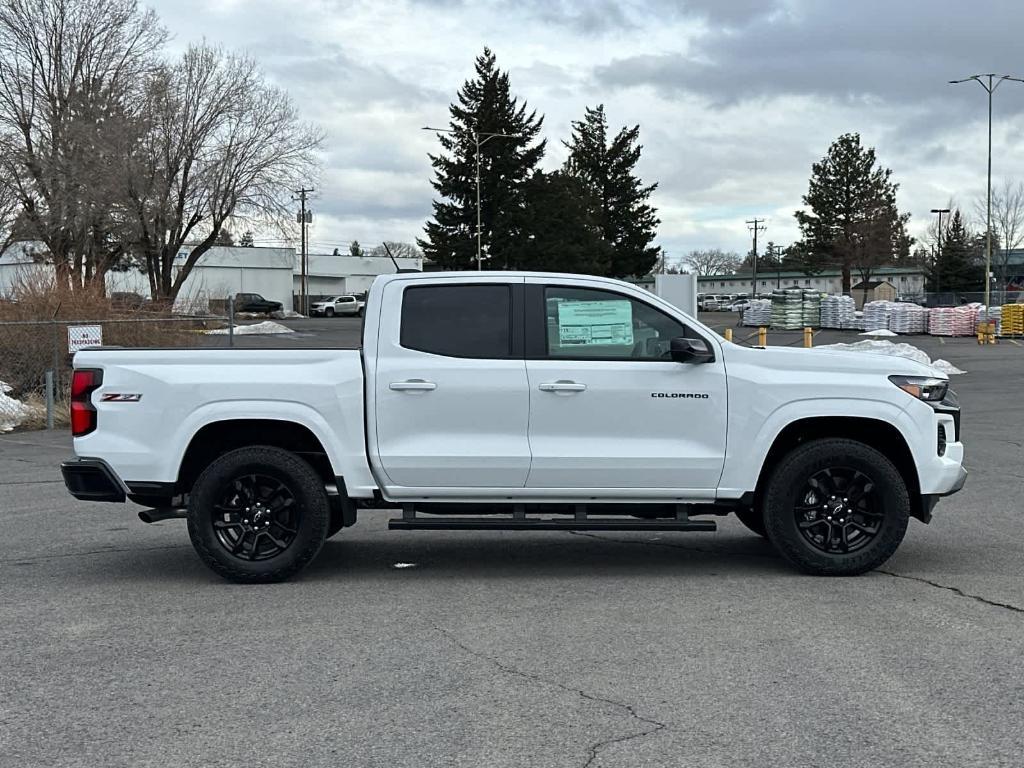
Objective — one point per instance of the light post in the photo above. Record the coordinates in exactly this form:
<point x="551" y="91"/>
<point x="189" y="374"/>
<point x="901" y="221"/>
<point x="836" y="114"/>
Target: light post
<point x="938" y="248"/>
<point x="990" y="87"/>
<point x="476" y="140"/>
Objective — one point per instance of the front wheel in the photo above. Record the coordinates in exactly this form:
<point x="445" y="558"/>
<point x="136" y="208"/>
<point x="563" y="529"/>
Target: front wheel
<point x="836" y="507"/>
<point x="329" y="312"/>
<point x="258" y="515"/>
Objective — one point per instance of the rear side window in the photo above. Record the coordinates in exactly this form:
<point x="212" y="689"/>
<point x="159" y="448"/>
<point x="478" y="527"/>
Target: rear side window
<point x="458" y="320"/>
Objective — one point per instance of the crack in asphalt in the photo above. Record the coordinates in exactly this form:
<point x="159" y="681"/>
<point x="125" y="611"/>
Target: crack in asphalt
<point x="594" y="749"/>
<point x="30" y="559"/>
<point x="954" y="590"/>
<point x="669" y="545"/>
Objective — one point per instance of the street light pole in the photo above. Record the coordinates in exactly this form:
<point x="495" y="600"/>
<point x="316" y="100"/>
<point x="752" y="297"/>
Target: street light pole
<point x="476" y="140"/>
<point x="755" y="226"/>
<point x="990" y="87"/>
<point x="938" y="251"/>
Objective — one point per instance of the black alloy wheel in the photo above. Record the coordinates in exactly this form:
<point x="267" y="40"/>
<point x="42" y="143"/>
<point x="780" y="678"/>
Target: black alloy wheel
<point x="257" y="517"/>
<point x="838" y="511"/>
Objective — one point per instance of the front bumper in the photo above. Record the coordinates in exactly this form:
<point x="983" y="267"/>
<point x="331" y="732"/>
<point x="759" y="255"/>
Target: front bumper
<point x="92" y="480"/>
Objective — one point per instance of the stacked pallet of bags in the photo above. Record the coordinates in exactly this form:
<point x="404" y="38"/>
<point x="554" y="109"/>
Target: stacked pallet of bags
<point x="787" y="309"/>
<point x="838" y="312"/>
<point x="953" y="321"/>
<point x="759" y="313"/>
<point x="1012" y="319"/>
<point x="908" y="318"/>
<point x="876" y="315"/>
<point x="811" y="308"/>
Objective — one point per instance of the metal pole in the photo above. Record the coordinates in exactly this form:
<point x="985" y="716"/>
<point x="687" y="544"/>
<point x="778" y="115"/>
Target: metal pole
<point x="49" y="399"/>
<point x="988" y="223"/>
<point x="231" y="321"/>
<point x="479" y="227"/>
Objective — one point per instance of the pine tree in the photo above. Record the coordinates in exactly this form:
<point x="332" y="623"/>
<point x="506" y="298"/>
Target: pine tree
<point x="485" y="106"/>
<point x="247" y="239"/>
<point x="561" y="233"/>
<point x="952" y="269"/>
<point x="628" y="223"/>
<point x="355" y="249"/>
<point x="853" y="222"/>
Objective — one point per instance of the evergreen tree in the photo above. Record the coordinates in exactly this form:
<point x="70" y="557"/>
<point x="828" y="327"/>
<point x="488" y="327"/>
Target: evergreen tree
<point x="561" y="232"/>
<point x="853" y="222"/>
<point x="485" y="106"/>
<point x="628" y="223"/>
<point x="247" y="239"/>
<point x="952" y="269"/>
<point x="355" y="249"/>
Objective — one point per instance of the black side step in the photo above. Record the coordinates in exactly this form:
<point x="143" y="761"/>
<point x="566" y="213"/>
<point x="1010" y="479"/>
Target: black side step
<point x="520" y="522"/>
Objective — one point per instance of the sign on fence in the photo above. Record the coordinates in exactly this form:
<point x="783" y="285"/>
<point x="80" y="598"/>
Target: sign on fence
<point x="82" y="336"/>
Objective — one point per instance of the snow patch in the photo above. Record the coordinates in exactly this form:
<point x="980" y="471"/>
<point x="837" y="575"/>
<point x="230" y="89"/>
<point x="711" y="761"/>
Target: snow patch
<point x="908" y="351"/>
<point x="266" y="328"/>
<point x="878" y="332"/>
<point x="287" y="314"/>
<point x="12" y="412"/>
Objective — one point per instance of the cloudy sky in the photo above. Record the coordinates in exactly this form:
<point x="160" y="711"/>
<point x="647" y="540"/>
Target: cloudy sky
<point x="735" y="98"/>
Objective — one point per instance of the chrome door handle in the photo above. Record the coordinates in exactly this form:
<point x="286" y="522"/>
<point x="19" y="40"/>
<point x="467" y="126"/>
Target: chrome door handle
<point x="561" y="386"/>
<point x="413" y="385"/>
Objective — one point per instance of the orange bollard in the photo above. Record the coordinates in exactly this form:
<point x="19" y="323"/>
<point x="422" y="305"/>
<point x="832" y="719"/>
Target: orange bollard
<point x="762" y="337"/>
<point x="808" y="338"/>
<point x="728" y="334"/>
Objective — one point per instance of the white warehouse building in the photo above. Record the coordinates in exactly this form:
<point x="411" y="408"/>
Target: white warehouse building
<point x="908" y="281"/>
<point x="223" y="271"/>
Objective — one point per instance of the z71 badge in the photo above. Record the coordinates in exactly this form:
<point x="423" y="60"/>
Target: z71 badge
<point x="115" y="397"/>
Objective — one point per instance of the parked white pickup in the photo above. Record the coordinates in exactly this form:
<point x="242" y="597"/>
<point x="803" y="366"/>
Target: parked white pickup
<point x="517" y="400"/>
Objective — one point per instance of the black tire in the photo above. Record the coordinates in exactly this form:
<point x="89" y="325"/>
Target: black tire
<point x="258" y="515"/>
<point x="329" y="312"/>
<point x="753" y="518"/>
<point x="836" y="507"/>
<point x="359" y="313"/>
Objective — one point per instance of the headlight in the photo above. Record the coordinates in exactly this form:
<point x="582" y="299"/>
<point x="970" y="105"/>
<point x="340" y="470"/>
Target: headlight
<point x="922" y="387"/>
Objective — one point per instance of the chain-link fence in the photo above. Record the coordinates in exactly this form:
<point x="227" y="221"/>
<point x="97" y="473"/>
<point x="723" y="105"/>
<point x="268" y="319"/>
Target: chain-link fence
<point x="35" y="352"/>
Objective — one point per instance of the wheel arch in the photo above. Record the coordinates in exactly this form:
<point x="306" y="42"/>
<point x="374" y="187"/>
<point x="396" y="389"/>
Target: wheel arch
<point x="216" y="438"/>
<point x="881" y="435"/>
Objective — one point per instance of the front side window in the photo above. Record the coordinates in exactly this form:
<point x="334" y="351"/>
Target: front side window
<point x="458" y="320"/>
<point x="594" y="324"/>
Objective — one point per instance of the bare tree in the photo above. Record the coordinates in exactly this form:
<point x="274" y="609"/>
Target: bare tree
<point x="399" y="250"/>
<point x="218" y="144"/>
<point x="1007" y="223"/>
<point x="69" y="75"/>
<point x="713" y="261"/>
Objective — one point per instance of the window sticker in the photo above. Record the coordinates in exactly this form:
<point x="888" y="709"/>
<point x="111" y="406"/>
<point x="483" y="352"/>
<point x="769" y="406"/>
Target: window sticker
<point x="582" y="323"/>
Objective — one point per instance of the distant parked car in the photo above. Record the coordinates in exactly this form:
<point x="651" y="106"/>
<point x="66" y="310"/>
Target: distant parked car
<point x="711" y="303"/>
<point x="338" y="305"/>
<point x="740" y="305"/>
<point x="253" y="302"/>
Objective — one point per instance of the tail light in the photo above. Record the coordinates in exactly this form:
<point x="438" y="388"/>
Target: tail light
<point x="84" y="381"/>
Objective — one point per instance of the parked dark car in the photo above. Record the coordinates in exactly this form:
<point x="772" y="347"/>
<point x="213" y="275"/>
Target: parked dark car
<point x="253" y="302"/>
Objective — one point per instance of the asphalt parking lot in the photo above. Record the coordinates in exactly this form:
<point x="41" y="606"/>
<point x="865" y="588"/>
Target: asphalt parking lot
<point x="119" y="648"/>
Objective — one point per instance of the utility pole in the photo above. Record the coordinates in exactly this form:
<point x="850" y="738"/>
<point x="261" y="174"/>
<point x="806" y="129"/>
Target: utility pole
<point x="755" y="225"/>
<point x="938" y="248"/>
<point x="304" y="217"/>
<point x="990" y="87"/>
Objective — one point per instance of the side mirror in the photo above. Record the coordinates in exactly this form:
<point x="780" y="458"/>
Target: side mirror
<point x="685" y="350"/>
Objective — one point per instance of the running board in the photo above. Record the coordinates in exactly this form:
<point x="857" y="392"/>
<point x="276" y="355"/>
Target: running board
<point x="520" y="522"/>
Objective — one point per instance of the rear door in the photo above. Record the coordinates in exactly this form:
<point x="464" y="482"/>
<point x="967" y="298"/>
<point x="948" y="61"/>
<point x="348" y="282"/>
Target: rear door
<point x="450" y="390"/>
<point x="608" y="407"/>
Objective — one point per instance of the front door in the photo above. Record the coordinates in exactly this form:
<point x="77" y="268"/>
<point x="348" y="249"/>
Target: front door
<point x="452" y="403"/>
<point x="608" y="407"/>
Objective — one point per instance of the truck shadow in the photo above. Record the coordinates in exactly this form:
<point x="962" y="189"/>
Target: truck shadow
<point x="557" y="555"/>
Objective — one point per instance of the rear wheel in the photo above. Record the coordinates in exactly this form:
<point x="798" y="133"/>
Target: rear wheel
<point x="836" y="507"/>
<point x="258" y="514"/>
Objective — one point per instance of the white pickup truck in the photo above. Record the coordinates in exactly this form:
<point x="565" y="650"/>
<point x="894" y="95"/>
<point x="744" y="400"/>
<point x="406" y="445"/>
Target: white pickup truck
<point x="520" y="401"/>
